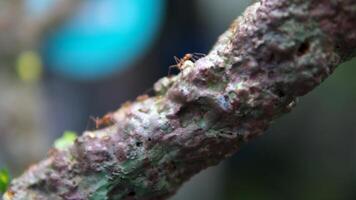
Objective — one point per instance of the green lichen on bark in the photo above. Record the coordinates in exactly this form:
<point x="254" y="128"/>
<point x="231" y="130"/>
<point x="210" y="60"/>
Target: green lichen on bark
<point x="278" y="50"/>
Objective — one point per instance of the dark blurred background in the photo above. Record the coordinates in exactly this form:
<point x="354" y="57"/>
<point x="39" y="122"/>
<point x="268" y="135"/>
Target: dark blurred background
<point x="62" y="61"/>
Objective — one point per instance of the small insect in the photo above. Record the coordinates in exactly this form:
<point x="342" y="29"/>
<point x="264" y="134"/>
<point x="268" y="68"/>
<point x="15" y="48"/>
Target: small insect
<point x="107" y="120"/>
<point x="180" y="61"/>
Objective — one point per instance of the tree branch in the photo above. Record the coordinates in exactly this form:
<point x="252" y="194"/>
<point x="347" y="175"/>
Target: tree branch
<point x="278" y="50"/>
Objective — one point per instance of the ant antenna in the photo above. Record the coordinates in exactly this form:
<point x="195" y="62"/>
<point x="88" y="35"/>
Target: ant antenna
<point x="200" y="54"/>
<point x="178" y="60"/>
<point x="173" y="66"/>
<point x="96" y="121"/>
<point x="87" y="127"/>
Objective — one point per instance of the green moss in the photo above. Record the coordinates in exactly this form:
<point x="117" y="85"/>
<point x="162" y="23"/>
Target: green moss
<point x="130" y="165"/>
<point x="156" y="154"/>
<point x="162" y="185"/>
<point x="96" y="185"/>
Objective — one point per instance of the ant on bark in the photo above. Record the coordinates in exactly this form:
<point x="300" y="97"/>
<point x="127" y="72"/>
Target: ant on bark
<point x="107" y="120"/>
<point x="180" y="61"/>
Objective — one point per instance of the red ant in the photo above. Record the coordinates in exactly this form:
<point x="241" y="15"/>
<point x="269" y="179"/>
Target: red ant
<point x="180" y="61"/>
<point x="104" y="121"/>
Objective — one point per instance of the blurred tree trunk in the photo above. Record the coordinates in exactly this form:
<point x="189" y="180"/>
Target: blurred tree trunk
<point x="21" y="30"/>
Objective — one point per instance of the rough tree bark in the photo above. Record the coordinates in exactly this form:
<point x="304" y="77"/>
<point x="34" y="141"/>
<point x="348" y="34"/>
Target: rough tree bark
<point x="278" y="50"/>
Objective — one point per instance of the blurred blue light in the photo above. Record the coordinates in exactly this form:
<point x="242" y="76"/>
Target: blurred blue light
<point x="103" y="37"/>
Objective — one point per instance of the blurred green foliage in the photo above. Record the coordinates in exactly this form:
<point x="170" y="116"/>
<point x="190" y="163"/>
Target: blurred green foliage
<point x="4" y="180"/>
<point x="66" y="140"/>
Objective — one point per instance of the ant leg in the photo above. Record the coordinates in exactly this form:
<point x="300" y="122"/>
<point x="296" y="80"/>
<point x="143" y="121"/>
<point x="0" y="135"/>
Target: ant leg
<point x="199" y="54"/>
<point x="178" y="60"/>
<point x="195" y="58"/>
<point x="173" y="66"/>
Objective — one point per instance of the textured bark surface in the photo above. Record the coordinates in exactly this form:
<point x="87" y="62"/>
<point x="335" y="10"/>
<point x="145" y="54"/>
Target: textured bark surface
<point x="278" y="50"/>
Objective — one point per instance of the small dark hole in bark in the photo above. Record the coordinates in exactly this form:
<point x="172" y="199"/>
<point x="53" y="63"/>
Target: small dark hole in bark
<point x="271" y="57"/>
<point x="149" y="139"/>
<point x="138" y="144"/>
<point x="174" y="167"/>
<point x="132" y="193"/>
<point x="279" y="91"/>
<point x="303" y="48"/>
